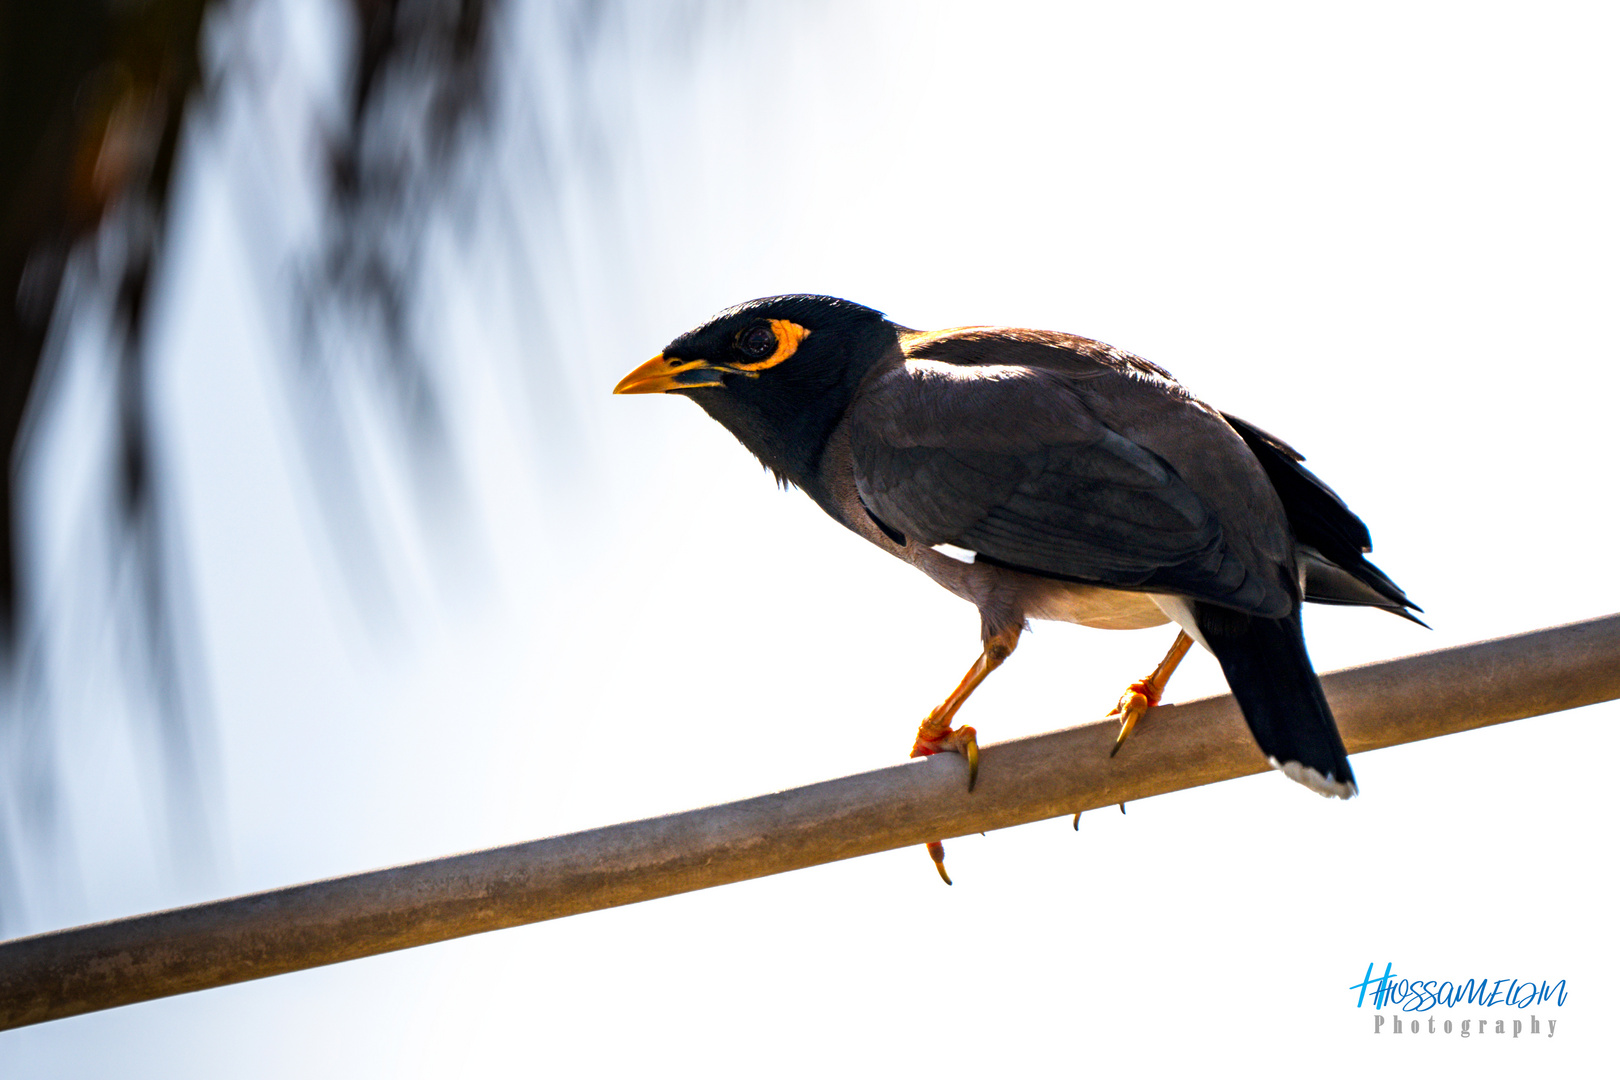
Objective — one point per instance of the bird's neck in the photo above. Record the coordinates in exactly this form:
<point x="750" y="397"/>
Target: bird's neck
<point x="789" y="444"/>
<point x="787" y="427"/>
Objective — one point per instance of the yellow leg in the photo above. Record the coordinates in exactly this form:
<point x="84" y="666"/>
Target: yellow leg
<point x="1144" y="694"/>
<point x="935" y="735"/>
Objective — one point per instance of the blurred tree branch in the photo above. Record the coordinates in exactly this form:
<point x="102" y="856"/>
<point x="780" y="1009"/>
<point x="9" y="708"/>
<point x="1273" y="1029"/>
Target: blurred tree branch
<point x="94" y="99"/>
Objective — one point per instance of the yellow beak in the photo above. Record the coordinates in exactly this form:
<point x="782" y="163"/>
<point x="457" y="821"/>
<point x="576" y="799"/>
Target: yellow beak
<point x="659" y="376"/>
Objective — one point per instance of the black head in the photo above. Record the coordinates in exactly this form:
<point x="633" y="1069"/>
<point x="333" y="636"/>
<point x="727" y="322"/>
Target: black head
<point x="777" y="372"/>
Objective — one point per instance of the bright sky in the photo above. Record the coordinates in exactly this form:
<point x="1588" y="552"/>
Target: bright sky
<point x="1386" y="233"/>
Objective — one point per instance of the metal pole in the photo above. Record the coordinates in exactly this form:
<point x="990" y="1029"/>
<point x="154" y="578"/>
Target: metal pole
<point x="67" y="972"/>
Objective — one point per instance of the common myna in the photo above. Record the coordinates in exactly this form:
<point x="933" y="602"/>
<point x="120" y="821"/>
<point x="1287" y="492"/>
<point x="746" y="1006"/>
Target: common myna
<point x="1044" y="475"/>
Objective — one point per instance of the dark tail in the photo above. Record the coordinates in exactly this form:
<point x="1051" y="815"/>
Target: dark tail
<point x="1271" y="676"/>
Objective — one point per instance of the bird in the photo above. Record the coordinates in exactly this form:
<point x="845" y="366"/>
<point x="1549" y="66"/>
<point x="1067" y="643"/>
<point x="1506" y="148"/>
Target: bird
<point x="1044" y="475"/>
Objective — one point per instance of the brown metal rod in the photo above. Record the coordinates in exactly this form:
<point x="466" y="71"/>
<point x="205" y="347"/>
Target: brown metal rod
<point x="67" y="972"/>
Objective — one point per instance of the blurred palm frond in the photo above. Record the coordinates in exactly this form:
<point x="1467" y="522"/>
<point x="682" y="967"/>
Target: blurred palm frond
<point x="95" y="100"/>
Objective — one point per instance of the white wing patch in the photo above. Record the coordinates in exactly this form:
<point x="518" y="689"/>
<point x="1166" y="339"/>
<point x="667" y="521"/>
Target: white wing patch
<point x="961" y="555"/>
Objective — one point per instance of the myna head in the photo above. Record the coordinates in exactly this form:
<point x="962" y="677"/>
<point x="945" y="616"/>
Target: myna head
<point x="777" y="372"/>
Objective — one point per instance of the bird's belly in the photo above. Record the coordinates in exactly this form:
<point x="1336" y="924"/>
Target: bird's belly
<point x="1008" y="597"/>
<point x="1088" y="605"/>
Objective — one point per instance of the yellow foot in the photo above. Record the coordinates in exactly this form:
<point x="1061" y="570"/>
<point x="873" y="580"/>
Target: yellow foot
<point x="936" y="851"/>
<point x="963" y="740"/>
<point x="1141" y="696"/>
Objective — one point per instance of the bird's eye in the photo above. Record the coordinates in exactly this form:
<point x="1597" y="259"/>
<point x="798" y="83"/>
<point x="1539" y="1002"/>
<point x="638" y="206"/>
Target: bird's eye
<point x="757" y="342"/>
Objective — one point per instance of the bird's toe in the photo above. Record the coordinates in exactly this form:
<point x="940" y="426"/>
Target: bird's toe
<point x="963" y="740"/>
<point x="1141" y="696"/>
<point x="936" y="851"/>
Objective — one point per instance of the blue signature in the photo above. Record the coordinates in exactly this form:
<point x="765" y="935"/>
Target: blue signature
<point x="1420" y="995"/>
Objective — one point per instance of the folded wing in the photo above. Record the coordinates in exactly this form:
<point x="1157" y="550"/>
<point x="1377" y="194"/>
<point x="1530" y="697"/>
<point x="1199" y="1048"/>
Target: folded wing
<point x="1009" y="462"/>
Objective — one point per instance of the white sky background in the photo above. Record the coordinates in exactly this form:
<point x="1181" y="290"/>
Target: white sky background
<point x="1388" y="236"/>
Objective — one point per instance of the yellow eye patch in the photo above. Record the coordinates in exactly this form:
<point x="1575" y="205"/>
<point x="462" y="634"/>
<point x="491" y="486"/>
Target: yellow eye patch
<point x="788" y="335"/>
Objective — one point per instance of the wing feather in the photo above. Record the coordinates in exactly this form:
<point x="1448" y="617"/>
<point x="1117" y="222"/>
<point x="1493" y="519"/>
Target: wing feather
<point x="1008" y="462"/>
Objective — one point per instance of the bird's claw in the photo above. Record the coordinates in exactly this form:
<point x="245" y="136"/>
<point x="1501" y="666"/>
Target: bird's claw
<point x="1077" y="817"/>
<point x="936" y="851"/>
<point x="962" y="740"/>
<point x="1133" y="705"/>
